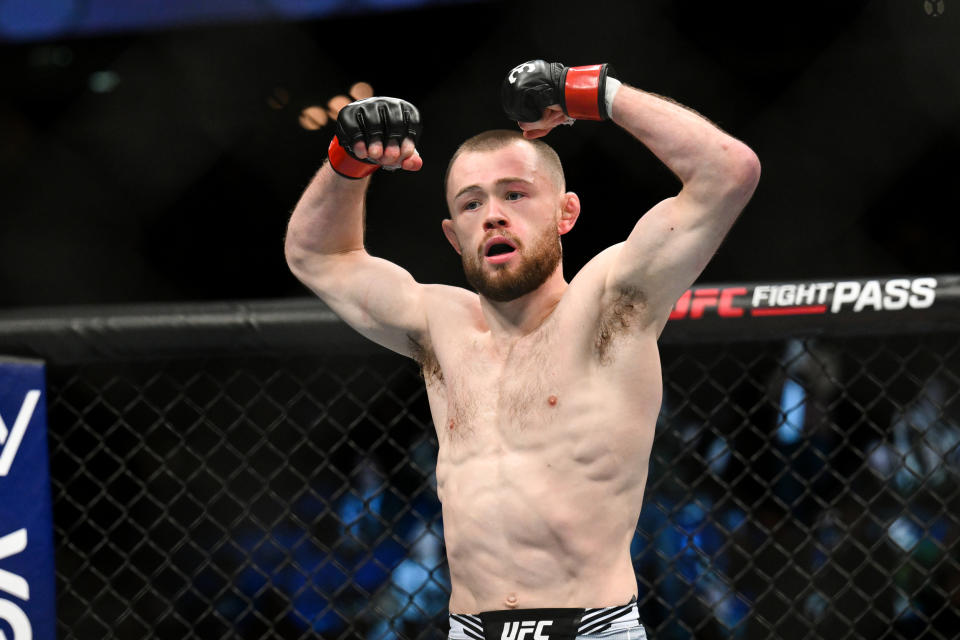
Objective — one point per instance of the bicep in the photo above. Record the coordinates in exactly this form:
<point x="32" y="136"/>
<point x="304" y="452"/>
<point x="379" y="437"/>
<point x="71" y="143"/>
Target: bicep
<point x="667" y="250"/>
<point x="377" y="298"/>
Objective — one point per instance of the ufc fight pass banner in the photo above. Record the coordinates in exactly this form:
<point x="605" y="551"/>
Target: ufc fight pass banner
<point x="27" y="607"/>
<point x="752" y="307"/>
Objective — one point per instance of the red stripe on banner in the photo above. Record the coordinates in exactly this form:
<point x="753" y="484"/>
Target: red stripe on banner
<point x="789" y="311"/>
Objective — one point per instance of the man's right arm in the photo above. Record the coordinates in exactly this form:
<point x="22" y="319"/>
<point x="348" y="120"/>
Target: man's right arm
<point x="324" y="250"/>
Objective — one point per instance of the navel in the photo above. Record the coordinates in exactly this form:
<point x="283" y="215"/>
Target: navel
<point x="511" y="601"/>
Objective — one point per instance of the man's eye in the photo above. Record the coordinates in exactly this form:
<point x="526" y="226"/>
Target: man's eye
<point x="514" y="195"/>
<point x="470" y="206"/>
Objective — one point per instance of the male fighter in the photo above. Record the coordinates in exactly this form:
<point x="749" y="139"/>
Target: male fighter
<point x="544" y="393"/>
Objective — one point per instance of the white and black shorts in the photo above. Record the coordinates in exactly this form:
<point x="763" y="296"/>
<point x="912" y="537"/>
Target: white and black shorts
<point x="607" y="623"/>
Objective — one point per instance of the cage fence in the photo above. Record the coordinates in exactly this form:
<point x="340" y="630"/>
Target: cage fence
<point x="207" y="484"/>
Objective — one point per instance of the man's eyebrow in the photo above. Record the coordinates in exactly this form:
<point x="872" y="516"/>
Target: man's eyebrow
<point x="476" y="187"/>
<point x="513" y="179"/>
<point x="473" y="187"/>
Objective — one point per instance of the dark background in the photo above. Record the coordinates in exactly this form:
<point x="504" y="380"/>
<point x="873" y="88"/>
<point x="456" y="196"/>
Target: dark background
<point x="177" y="182"/>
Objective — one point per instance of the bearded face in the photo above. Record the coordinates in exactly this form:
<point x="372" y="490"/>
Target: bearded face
<point x="523" y="273"/>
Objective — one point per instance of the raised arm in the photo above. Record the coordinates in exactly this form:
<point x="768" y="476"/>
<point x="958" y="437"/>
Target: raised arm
<point x="672" y="242"/>
<point x="324" y="244"/>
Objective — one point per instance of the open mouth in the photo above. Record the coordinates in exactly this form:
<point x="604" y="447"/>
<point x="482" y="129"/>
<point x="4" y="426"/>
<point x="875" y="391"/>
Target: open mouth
<point x="499" y="250"/>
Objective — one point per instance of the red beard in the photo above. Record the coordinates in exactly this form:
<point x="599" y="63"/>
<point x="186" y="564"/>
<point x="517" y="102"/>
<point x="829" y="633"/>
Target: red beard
<point x="520" y="276"/>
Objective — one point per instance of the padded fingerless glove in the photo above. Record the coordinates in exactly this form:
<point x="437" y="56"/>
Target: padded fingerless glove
<point x="533" y="86"/>
<point x="367" y="121"/>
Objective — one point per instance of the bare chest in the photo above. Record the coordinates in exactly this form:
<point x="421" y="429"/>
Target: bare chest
<point x="504" y="395"/>
<point x="575" y="373"/>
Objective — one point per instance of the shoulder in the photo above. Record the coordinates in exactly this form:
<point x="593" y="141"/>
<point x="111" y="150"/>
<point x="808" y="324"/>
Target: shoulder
<point x="446" y="298"/>
<point x="449" y="311"/>
<point x="450" y="308"/>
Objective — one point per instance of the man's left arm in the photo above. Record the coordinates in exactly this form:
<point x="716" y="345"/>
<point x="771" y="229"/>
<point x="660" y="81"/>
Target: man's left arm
<point x="672" y="243"/>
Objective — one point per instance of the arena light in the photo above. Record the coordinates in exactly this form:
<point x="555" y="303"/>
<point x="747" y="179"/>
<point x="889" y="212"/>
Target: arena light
<point x="279" y="98"/>
<point x="313" y="118"/>
<point x="361" y="90"/>
<point x="103" y="81"/>
<point x="336" y="103"/>
<point x="934" y="8"/>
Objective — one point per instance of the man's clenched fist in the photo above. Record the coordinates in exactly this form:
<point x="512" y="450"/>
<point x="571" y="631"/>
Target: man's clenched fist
<point x="544" y="92"/>
<point x="376" y="132"/>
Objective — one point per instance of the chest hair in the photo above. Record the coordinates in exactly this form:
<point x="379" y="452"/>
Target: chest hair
<point x="529" y="376"/>
<point x="518" y="391"/>
<point x="460" y="406"/>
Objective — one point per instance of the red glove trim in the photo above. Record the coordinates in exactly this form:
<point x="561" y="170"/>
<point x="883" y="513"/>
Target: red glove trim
<point x="345" y="164"/>
<point x="581" y="91"/>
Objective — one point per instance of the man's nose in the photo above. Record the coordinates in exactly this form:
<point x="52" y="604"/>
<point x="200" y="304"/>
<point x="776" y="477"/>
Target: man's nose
<point x="495" y="218"/>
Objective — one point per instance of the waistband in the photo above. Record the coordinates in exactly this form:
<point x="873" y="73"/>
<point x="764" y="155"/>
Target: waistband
<point x="544" y="624"/>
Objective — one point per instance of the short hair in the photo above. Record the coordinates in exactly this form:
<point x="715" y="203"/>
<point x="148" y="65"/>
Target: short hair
<point x="500" y="138"/>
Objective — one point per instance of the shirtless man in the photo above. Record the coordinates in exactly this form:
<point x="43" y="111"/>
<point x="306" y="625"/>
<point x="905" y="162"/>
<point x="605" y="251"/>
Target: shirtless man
<point x="544" y="393"/>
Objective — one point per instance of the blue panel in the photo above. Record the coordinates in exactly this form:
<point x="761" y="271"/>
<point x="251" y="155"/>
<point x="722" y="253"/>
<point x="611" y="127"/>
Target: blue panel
<point x="27" y="605"/>
<point x="48" y="19"/>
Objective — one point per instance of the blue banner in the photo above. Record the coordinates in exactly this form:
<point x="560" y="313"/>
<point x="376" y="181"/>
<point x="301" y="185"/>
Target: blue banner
<point x="27" y="606"/>
<point x="52" y="19"/>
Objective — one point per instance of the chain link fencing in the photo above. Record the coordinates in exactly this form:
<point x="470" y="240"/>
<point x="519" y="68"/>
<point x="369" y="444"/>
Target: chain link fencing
<point x="801" y="487"/>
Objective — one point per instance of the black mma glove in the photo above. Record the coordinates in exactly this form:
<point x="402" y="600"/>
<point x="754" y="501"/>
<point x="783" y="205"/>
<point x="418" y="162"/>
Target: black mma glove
<point x="533" y="86"/>
<point x="369" y="120"/>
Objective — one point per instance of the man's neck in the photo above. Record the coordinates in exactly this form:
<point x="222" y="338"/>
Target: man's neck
<point x="521" y="316"/>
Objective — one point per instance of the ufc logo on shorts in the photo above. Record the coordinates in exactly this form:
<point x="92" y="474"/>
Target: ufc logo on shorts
<point x="520" y="630"/>
<point x="520" y="68"/>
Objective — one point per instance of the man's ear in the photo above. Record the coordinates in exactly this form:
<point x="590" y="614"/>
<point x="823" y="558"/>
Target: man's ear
<point x="569" y="212"/>
<point x="448" y="231"/>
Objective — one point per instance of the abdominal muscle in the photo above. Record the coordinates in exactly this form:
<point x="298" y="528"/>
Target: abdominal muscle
<point x="541" y="515"/>
<point x="544" y="449"/>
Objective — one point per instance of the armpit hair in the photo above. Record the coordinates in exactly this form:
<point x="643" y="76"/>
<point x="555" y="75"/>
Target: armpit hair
<point x="425" y="357"/>
<point x="616" y="319"/>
